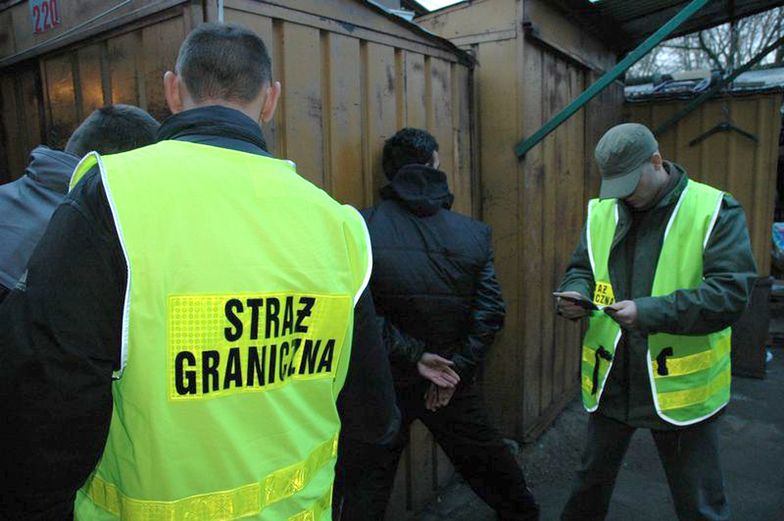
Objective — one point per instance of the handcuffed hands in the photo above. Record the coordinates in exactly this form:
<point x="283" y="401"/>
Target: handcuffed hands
<point x="438" y="370"/>
<point x="437" y="397"/>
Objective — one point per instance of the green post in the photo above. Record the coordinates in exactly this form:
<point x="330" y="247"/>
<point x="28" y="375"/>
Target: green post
<point x="633" y="57"/>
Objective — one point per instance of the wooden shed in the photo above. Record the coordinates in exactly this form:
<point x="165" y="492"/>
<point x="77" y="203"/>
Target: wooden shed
<point x="352" y="74"/>
<point x="533" y="59"/>
<point x="727" y="160"/>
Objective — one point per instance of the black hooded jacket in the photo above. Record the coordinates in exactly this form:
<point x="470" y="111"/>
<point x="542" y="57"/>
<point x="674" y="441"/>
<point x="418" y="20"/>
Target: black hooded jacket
<point x="433" y="274"/>
<point x="26" y="205"/>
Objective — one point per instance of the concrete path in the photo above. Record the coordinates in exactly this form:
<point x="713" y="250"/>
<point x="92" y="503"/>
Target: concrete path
<point x="752" y="455"/>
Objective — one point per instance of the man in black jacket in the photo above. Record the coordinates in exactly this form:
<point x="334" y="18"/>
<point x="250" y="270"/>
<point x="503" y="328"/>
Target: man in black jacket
<point x="27" y="204"/>
<point x="61" y="339"/>
<point x="434" y="283"/>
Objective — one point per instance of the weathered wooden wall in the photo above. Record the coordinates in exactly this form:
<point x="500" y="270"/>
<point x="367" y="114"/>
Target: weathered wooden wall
<point x="536" y="206"/>
<point x="727" y="160"/>
<point x="351" y="77"/>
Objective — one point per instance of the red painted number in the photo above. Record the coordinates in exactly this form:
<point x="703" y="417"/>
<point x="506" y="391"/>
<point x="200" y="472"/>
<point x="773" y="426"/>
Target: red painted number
<point x="47" y="14"/>
<point x="37" y="18"/>
<point x="55" y="14"/>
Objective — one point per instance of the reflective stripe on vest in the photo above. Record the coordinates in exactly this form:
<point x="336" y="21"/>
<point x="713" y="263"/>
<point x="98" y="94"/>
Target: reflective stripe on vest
<point x="237" y="328"/>
<point x="689" y="375"/>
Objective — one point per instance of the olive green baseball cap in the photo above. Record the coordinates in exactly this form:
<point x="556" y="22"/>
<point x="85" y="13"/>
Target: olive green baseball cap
<point x="621" y="153"/>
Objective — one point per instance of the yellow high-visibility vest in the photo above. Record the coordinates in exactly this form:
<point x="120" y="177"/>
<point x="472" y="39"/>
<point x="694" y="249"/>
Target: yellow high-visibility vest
<point x="689" y="374"/>
<point x="237" y="328"/>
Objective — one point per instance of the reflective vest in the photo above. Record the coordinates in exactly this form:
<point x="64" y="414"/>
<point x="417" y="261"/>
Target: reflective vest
<point x="689" y="375"/>
<point x="237" y="327"/>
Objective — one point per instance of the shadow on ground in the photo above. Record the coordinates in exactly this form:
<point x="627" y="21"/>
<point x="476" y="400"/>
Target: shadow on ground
<point x="752" y="443"/>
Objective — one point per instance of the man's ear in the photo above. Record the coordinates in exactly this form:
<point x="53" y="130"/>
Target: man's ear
<point x="172" y="89"/>
<point x="435" y="161"/>
<point x="657" y="160"/>
<point x="270" y="102"/>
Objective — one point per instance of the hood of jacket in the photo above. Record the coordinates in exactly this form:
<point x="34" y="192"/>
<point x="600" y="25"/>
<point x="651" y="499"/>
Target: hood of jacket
<point x="420" y="189"/>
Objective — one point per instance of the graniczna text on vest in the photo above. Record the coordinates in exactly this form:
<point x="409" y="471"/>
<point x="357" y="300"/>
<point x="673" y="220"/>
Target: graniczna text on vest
<point x="227" y="344"/>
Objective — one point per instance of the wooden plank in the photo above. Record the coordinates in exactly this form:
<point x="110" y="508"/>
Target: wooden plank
<point x="121" y="55"/>
<point x="421" y="476"/>
<point x="161" y="44"/>
<point x="12" y="140"/>
<point x="462" y="151"/>
<point x="398" y="500"/>
<point x="310" y="13"/>
<point x="345" y="120"/>
<point x="90" y="80"/>
<point x="565" y="34"/>
<point x="440" y="124"/>
<point x="552" y="86"/>
<point x="30" y="104"/>
<point x="7" y="39"/>
<point x="740" y="155"/>
<point x="79" y="23"/>
<point x="61" y="99"/>
<point x="415" y="90"/>
<point x="533" y="99"/>
<point x="474" y="20"/>
<point x="498" y="96"/>
<point x="686" y="155"/>
<point x="302" y="100"/>
<point x="380" y="117"/>
<point x="445" y="471"/>
<point x="768" y="128"/>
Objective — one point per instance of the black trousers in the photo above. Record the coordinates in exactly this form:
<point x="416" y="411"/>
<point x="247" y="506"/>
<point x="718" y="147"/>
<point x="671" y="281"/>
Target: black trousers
<point x="365" y="473"/>
<point x="690" y="457"/>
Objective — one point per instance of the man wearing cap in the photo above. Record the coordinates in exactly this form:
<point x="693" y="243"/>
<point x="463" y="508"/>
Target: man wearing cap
<point x="668" y="262"/>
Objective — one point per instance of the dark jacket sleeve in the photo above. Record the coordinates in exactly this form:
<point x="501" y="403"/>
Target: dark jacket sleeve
<point x="367" y="404"/>
<point x="487" y="318"/>
<point x="60" y="343"/>
<point x="579" y="274"/>
<point x="402" y="349"/>
<point x="729" y="273"/>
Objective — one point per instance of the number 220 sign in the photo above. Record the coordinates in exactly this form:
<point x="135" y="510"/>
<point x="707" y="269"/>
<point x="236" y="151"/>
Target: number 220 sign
<point x="45" y="15"/>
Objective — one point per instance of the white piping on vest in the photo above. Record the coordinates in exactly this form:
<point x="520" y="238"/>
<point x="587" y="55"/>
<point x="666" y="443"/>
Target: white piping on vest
<point x="713" y="220"/>
<point x="588" y="237"/>
<point x="675" y="213"/>
<point x="127" y="301"/>
<point x="369" y="259"/>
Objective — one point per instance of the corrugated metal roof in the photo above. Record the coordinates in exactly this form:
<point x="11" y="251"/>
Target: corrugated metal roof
<point x="763" y="80"/>
<point x="622" y="24"/>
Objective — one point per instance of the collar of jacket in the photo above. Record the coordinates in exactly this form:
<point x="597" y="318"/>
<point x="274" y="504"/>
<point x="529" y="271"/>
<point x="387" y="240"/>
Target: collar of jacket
<point x="51" y="168"/>
<point x="672" y="191"/>
<point x="421" y="189"/>
<point x="215" y="125"/>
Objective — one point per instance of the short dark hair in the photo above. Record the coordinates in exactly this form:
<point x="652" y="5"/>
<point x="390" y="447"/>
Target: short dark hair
<point x="113" y="129"/>
<point x="408" y="146"/>
<point x="224" y="61"/>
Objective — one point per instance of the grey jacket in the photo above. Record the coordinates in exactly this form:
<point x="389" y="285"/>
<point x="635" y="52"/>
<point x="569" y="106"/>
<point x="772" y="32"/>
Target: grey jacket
<point x="27" y="204"/>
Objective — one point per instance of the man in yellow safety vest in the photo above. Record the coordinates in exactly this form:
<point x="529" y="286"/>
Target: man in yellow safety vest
<point x="664" y="267"/>
<point x="190" y="319"/>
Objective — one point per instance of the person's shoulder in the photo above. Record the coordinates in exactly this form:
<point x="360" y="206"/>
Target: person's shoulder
<point x="467" y="221"/>
<point x="730" y="202"/>
<point x="89" y="198"/>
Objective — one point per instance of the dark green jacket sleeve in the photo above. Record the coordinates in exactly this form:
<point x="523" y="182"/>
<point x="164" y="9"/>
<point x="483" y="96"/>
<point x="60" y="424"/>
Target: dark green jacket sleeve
<point x="729" y="273"/>
<point x="579" y="275"/>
